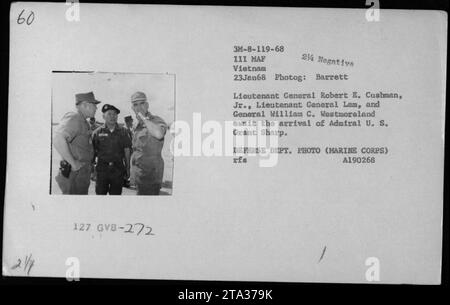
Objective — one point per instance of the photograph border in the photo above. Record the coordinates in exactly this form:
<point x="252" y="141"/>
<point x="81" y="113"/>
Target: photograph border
<point x="106" y="72"/>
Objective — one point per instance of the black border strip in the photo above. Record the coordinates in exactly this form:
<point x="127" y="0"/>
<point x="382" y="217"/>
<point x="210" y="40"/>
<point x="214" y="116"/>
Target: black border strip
<point x="287" y="291"/>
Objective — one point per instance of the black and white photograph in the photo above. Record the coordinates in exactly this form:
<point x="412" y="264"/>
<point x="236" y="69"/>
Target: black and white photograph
<point x="110" y="133"/>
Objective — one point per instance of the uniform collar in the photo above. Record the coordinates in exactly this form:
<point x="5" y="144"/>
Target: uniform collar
<point x="116" y="127"/>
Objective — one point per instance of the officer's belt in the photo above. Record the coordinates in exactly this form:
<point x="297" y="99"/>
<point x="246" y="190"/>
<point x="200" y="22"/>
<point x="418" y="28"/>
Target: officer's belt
<point x="112" y="163"/>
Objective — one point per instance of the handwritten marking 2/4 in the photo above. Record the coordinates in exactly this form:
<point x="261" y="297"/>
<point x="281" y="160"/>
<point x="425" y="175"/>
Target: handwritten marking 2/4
<point x="27" y="265"/>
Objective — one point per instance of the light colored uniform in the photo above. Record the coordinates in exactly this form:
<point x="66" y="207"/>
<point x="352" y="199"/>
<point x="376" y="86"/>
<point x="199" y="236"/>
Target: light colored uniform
<point x="77" y="132"/>
<point x="146" y="161"/>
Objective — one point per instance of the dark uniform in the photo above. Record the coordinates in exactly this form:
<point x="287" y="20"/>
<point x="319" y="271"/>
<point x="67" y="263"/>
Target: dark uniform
<point x="110" y="152"/>
<point x="93" y="126"/>
<point x="146" y="161"/>
<point x="129" y="130"/>
<point x="129" y="182"/>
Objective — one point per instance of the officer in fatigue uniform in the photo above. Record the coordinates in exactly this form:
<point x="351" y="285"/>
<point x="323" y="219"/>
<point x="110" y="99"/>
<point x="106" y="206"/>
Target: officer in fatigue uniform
<point x="148" y="140"/>
<point x="112" y="149"/>
<point x="72" y="140"/>
<point x="129" y="125"/>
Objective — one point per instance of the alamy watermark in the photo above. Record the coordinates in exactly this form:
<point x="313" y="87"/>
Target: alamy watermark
<point x="73" y="270"/>
<point x="229" y="138"/>
<point x="373" y="272"/>
<point x="373" y="12"/>
<point x="73" y="12"/>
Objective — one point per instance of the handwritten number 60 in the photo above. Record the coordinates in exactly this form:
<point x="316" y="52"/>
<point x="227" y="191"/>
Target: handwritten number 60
<point x="29" y="19"/>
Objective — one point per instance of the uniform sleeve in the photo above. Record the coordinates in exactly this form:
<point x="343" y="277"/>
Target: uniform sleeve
<point x="160" y="121"/>
<point x="69" y="126"/>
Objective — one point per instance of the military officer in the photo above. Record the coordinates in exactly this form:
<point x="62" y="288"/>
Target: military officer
<point x="148" y="140"/>
<point x="129" y="125"/>
<point x="72" y="140"/>
<point x="112" y="147"/>
<point x="129" y="128"/>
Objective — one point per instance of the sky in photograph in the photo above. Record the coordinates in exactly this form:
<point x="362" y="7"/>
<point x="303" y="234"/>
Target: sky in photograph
<point x="115" y="89"/>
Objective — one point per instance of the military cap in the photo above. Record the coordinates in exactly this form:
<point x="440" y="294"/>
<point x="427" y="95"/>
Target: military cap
<point x="107" y="107"/>
<point x="86" y="97"/>
<point x="138" y="96"/>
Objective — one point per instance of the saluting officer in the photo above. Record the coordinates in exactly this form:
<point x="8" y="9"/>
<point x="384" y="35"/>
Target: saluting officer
<point x="73" y="142"/>
<point x="148" y="140"/>
<point x="112" y="147"/>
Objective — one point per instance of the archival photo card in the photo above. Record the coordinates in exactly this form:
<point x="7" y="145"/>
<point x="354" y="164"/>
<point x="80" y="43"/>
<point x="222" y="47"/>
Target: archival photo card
<point x="94" y="120"/>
